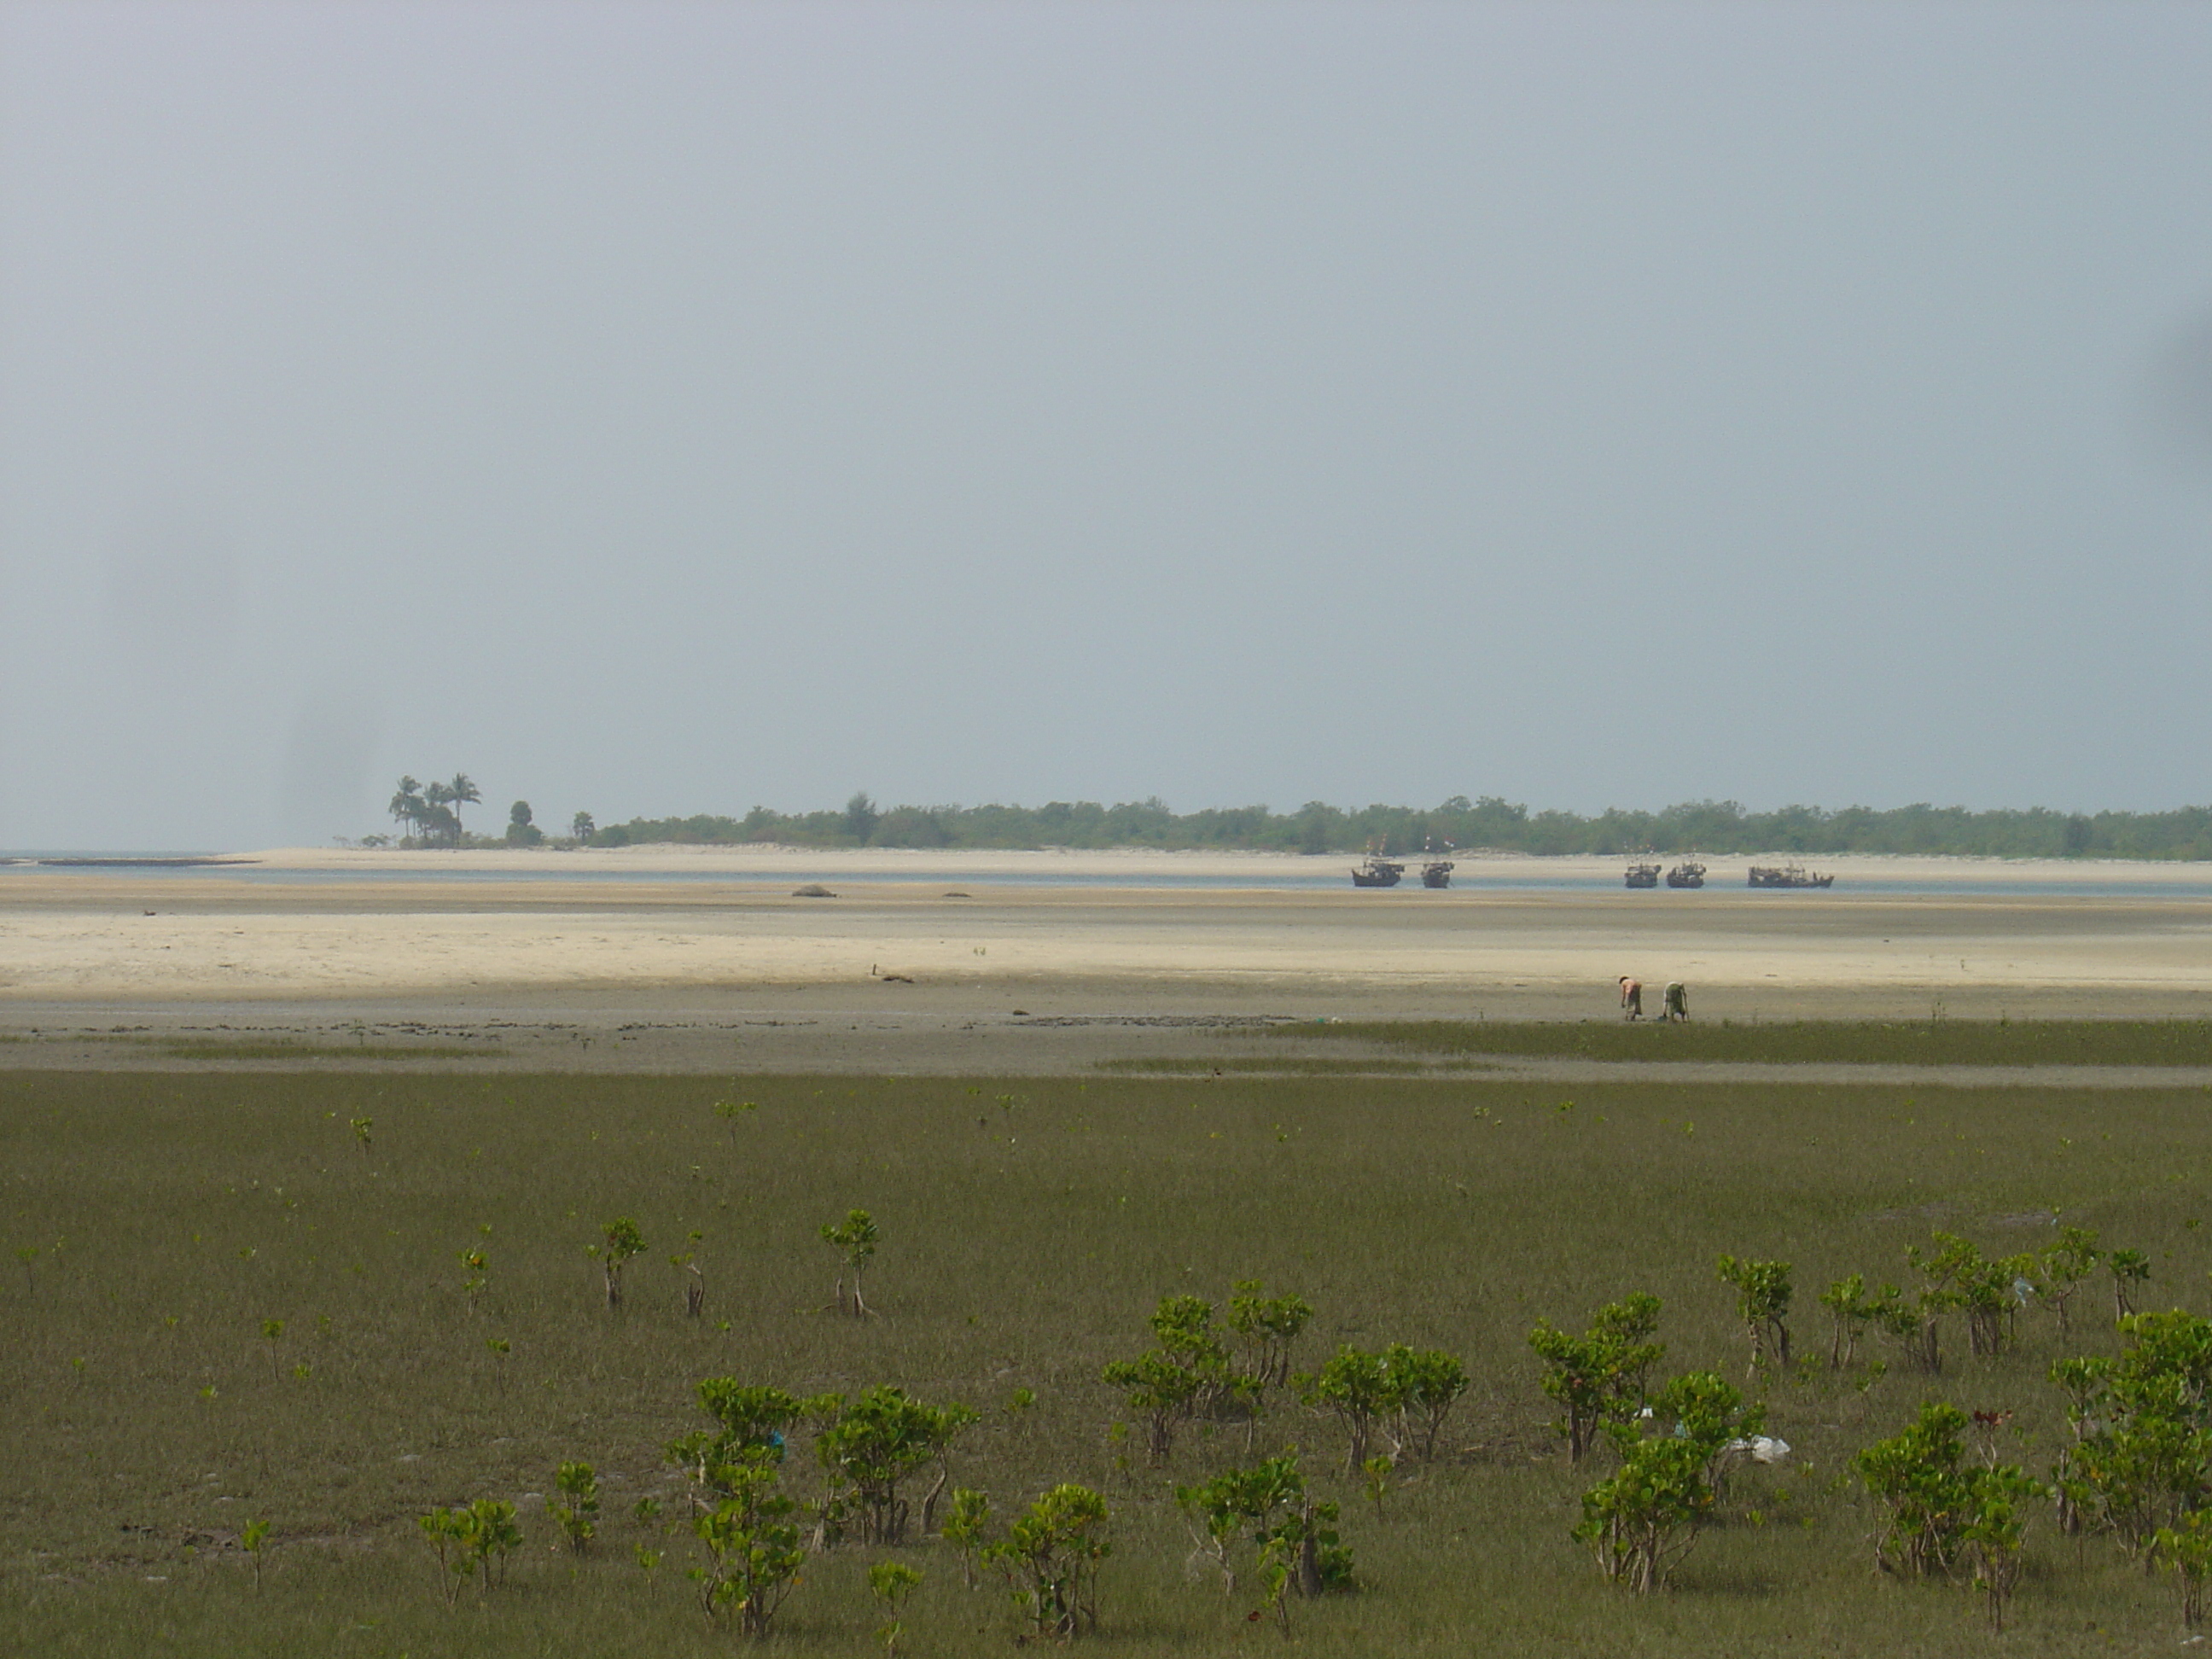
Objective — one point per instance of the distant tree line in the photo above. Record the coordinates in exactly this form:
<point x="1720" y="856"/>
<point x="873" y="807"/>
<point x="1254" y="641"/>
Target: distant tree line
<point x="1487" y="824"/>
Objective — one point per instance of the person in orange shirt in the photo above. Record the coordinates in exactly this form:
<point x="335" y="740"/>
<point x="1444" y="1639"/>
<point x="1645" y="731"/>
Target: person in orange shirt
<point x="1631" y="996"/>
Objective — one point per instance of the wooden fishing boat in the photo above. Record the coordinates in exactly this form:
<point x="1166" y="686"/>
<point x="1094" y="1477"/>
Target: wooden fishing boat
<point x="1787" y="875"/>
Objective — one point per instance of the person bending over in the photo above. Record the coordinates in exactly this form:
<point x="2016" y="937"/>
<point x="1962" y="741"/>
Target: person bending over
<point x="1631" y="996"/>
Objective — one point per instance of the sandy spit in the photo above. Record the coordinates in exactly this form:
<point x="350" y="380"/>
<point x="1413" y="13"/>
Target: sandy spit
<point x="1123" y="864"/>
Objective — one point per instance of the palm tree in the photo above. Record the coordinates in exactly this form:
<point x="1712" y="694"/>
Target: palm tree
<point x="437" y="815"/>
<point x="406" y="807"/>
<point x="461" y="791"/>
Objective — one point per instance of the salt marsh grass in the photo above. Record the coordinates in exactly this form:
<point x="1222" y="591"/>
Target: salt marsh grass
<point x="1020" y="1249"/>
<point x="1932" y="1041"/>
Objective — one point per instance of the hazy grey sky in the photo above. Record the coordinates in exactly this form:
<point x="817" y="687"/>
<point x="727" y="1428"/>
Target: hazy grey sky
<point x="657" y="408"/>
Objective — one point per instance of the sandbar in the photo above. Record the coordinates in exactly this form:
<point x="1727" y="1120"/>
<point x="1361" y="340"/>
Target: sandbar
<point x="1113" y="954"/>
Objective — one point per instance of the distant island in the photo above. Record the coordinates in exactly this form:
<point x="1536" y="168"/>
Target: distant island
<point x="427" y="816"/>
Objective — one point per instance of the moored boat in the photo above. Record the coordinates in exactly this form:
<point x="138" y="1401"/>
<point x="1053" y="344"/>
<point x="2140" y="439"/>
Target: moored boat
<point x="1787" y="875"/>
<point x="1642" y="875"/>
<point x="1437" y="872"/>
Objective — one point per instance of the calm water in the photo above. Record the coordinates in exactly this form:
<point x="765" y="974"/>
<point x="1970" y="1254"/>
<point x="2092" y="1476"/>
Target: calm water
<point x="1286" y="876"/>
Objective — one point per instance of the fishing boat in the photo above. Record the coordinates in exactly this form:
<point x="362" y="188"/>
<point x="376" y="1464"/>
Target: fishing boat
<point x="1688" y="873"/>
<point x="1787" y="875"/>
<point x="1436" y="872"/>
<point x="1377" y="871"/>
<point x="1642" y="875"/>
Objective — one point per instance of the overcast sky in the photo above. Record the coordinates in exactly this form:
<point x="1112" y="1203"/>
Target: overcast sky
<point x="654" y="408"/>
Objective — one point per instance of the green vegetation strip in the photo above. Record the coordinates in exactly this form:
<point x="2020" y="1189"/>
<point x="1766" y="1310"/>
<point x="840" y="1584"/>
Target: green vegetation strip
<point x="1919" y="1043"/>
<point x="1491" y="824"/>
<point x="215" y="1049"/>
<point x="1288" y="1066"/>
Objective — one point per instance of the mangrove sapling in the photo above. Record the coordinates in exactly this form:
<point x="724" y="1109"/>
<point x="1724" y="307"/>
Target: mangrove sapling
<point x="1993" y="1299"/>
<point x="576" y="1510"/>
<point x="1852" y="1310"/>
<point x="623" y="1241"/>
<point x="477" y="1266"/>
<point x="967" y="1528"/>
<point x="1183" y="1326"/>
<point x="1949" y="1270"/>
<point x="1238" y="1503"/>
<point x="1305" y="1542"/>
<point x="1762" y="1302"/>
<point x="1117" y="1436"/>
<point x="2065" y="1265"/>
<point x="1920" y="1478"/>
<point x="892" y="1582"/>
<point x="1913" y="1324"/>
<point x="1051" y="1557"/>
<point x="253" y="1541"/>
<point x="438" y="1527"/>
<point x="2142" y="1457"/>
<point x="1643" y="1519"/>
<point x="875" y="1441"/>
<point x="2186" y="1548"/>
<point x="2128" y="1268"/>
<point x="1187" y="1372"/>
<point x="1268" y="1326"/>
<point x="856" y="1236"/>
<point x="28" y="1256"/>
<point x="1360" y="1390"/>
<point x="1378" y="1470"/>
<point x="1996" y="1527"/>
<point x="753" y="1550"/>
<point x="468" y="1539"/>
<point x="361" y="1126"/>
<point x="1598" y="1377"/>
<point x="1302" y="1551"/>
<point x="749" y="1420"/>
<point x="1427" y="1382"/>
<point x="694" y="1288"/>
<point x="1991" y="1292"/>
<point x="2074" y="1498"/>
<point x="1702" y="1409"/>
<point x="730" y="1111"/>
<point x="489" y="1535"/>
<point x="272" y="1333"/>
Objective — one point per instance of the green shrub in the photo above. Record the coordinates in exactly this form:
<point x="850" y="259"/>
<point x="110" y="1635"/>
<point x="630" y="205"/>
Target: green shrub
<point x="1598" y="1378"/>
<point x="1051" y="1557"/>
<point x="872" y="1445"/>
<point x="575" y="1511"/>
